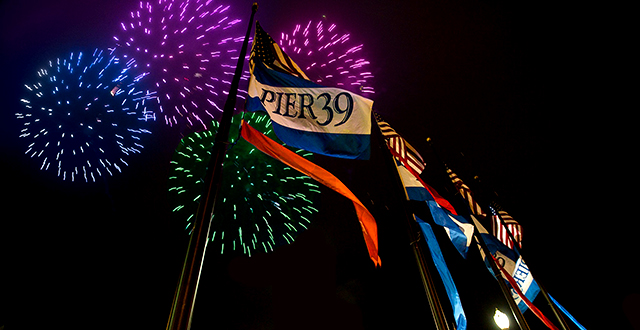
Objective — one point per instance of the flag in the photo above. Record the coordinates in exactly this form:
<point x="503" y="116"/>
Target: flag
<point x="400" y="148"/>
<point x="445" y="275"/>
<point x="277" y="151"/>
<point x="566" y="312"/>
<point x="512" y="263"/>
<point x="324" y="120"/>
<point x="501" y="232"/>
<point x="459" y="230"/>
<point x="464" y="190"/>
<point x="269" y="52"/>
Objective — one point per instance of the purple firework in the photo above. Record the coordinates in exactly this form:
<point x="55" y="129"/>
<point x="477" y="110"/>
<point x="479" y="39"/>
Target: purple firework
<point x="328" y="56"/>
<point x="190" y="49"/>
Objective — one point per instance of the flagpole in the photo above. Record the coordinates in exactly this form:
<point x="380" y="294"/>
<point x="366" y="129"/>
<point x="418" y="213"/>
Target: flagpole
<point x="515" y="311"/>
<point x="516" y="247"/>
<point x="519" y="317"/>
<point x="427" y="282"/>
<point x="545" y="294"/>
<point x="183" y="304"/>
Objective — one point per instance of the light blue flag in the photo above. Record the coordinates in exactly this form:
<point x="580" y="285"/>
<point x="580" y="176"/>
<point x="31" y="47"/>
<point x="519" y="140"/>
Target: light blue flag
<point x="324" y="120"/>
<point x="566" y="312"/>
<point x="443" y="270"/>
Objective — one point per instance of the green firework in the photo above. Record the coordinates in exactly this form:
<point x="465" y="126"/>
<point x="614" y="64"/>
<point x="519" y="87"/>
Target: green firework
<point x="262" y="204"/>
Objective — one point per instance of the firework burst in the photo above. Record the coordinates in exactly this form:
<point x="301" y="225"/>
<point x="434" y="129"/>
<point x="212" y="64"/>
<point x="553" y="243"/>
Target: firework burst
<point x="84" y="115"/>
<point x="329" y="56"/>
<point x="263" y="203"/>
<point x="189" y="50"/>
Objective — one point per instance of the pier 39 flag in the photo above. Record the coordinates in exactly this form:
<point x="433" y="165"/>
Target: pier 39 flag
<point x="324" y="120"/>
<point x="513" y="264"/>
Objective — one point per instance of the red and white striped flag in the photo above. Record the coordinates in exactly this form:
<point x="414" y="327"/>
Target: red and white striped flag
<point x="502" y="233"/>
<point x="400" y="148"/>
<point x="464" y="190"/>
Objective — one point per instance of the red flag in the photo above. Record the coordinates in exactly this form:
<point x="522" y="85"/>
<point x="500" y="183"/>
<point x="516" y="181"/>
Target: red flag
<point x="277" y="151"/>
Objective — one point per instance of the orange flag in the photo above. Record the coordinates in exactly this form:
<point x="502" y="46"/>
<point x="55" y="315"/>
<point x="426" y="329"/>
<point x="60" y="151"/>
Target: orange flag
<point x="277" y="151"/>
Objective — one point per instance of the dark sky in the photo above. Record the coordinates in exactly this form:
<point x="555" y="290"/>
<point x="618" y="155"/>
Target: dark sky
<point x="520" y="95"/>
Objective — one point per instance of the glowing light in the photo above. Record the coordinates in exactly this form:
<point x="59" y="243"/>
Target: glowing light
<point x="258" y="211"/>
<point x="187" y="47"/>
<point x="501" y="319"/>
<point x="329" y="56"/>
<point x="84" y="113"/>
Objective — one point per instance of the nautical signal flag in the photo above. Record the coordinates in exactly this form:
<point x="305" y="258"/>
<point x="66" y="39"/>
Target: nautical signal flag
<point x="324" y="120"/>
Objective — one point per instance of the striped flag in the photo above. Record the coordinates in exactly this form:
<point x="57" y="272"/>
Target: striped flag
<point x="268" y="51"/>
<point x="510" y="261"/>
<point x="459" y="229"/>
<point x="502" y="233"/>
<point x="464" y="190"/>
<point x="400" y="148"/>
<point x="325" y="120"/>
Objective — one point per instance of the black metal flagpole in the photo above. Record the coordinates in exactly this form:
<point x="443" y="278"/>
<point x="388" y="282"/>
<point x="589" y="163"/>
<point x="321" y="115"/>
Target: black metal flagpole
<point x="545" y="294"/>
<point x="423" y="267"/>
<point x="517" y="314"/>
<point x="515" y="311"/>
<point x="182" y="308"/>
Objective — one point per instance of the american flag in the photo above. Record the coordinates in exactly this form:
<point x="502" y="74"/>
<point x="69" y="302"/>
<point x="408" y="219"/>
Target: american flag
<point x="400" y="148"/>
<point x="502" y="233"/>
<point x="267" y="50"/>
<point x="464" y="190"/>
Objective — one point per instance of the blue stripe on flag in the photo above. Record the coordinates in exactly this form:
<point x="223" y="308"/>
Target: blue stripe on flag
<point x="279" y="79"/>
<point x="443" y="218"/>
<point x="566" y="312"/>
<point x="350" y="146"/>
<point x="324" y="120"/>
<point x="445" y="275"/>
<point x="418" y="193"/>
<point x="531" y="291"/>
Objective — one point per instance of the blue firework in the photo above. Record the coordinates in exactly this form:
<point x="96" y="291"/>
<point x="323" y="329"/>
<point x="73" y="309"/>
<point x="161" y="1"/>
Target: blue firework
<point x="84" y="115"/>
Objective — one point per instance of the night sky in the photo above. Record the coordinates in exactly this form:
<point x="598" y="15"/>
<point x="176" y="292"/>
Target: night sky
<point x="523" y="96"/>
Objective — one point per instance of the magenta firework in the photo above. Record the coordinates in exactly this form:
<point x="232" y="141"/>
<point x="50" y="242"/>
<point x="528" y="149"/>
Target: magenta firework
<point x="83" y="115"/>
<point x="189" y="49"/>
<point x="329" y="56"/>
